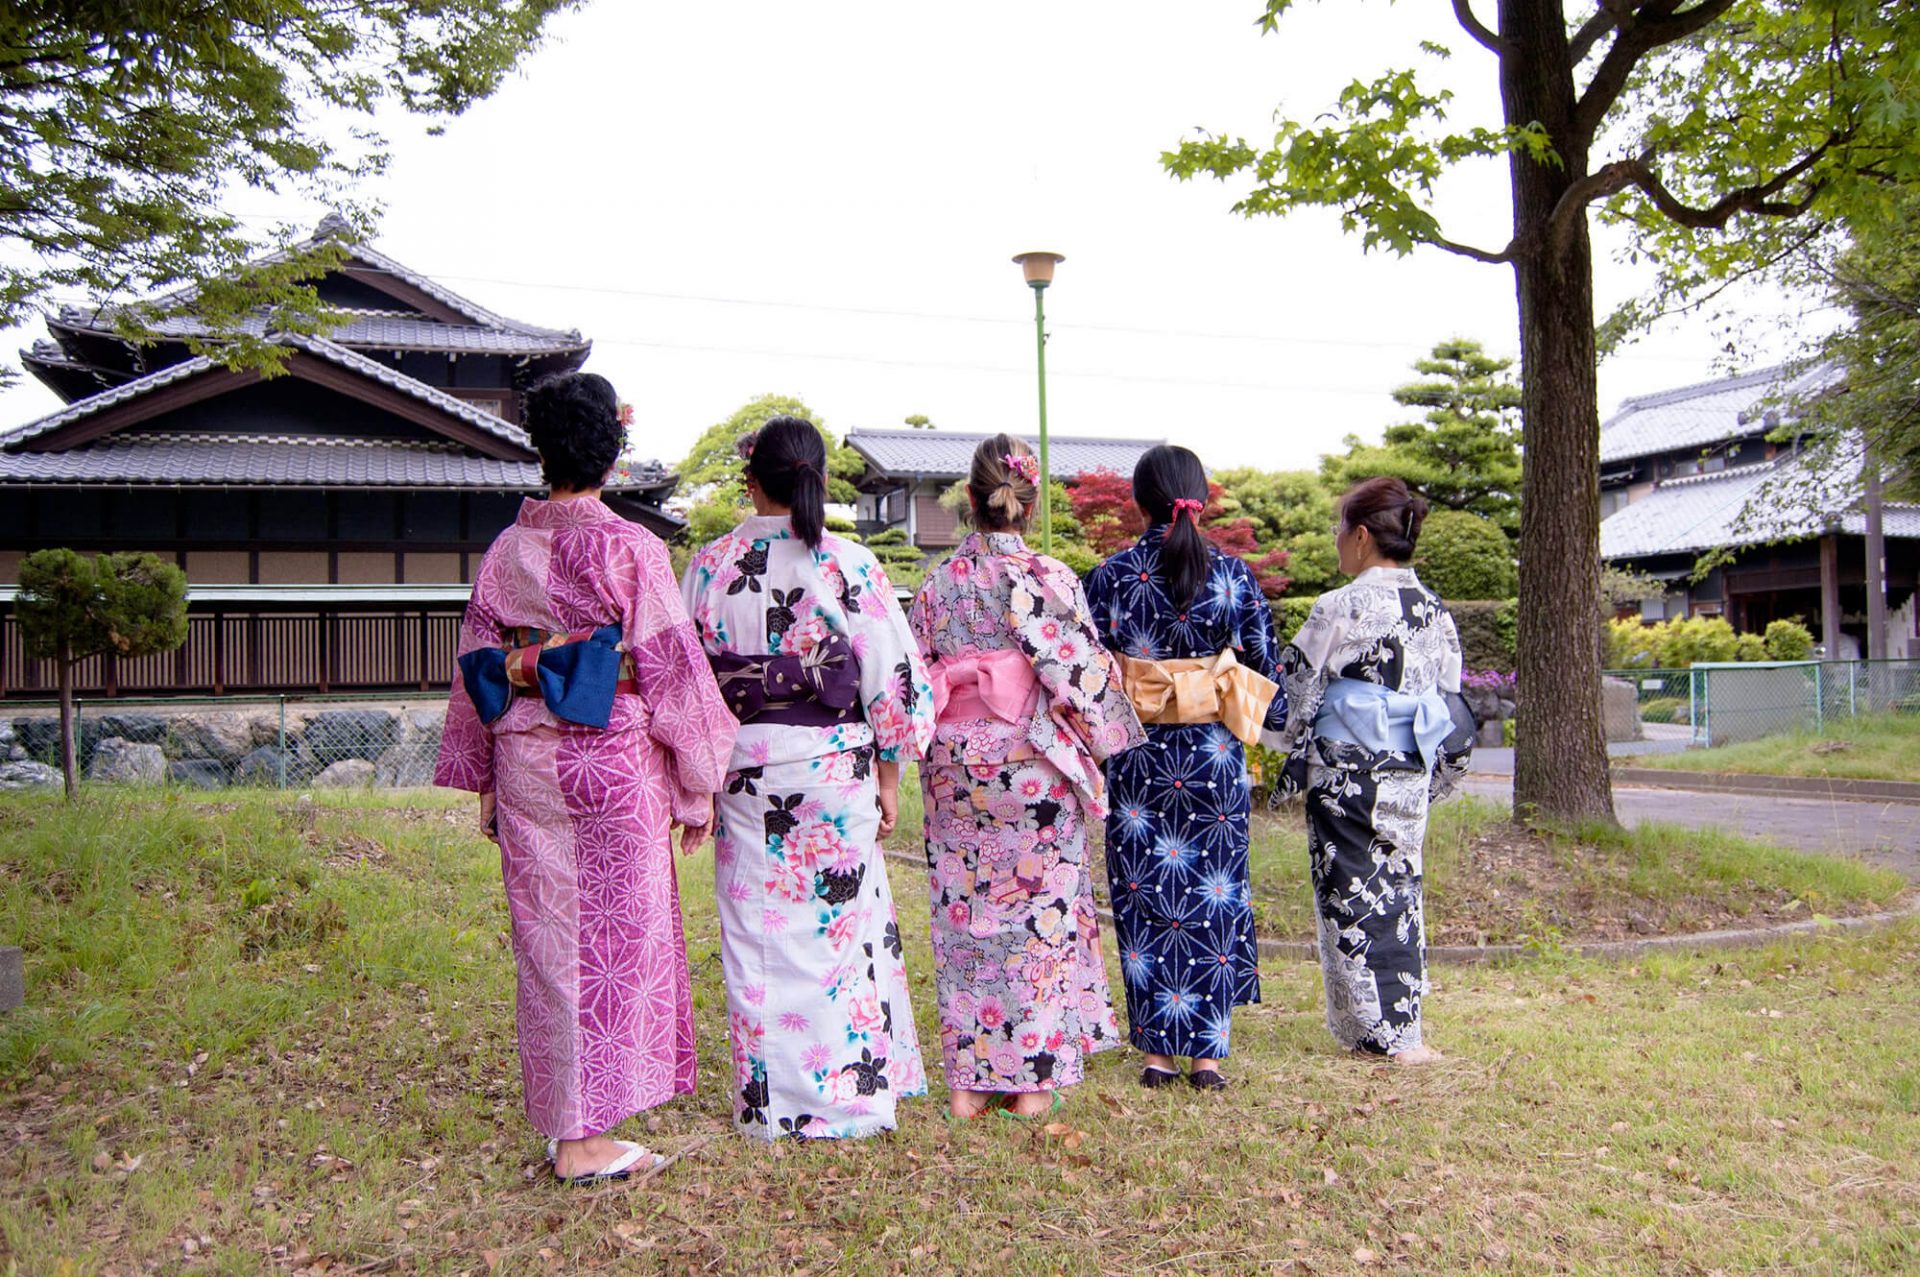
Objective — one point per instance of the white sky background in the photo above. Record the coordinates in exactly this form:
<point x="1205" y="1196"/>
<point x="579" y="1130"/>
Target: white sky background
<point x="821" y="200"/>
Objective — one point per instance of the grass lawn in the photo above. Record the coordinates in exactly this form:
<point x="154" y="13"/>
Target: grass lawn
<point x="265" y="1036"/>
<point x="1490" y="883"/>
<point x="1881" y="747"/>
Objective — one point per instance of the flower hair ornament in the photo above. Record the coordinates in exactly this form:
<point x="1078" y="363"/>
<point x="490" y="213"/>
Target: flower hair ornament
<point x="625" y="416"/>
<point x="1190" y="508"/>
<point x="1025" y="464"/>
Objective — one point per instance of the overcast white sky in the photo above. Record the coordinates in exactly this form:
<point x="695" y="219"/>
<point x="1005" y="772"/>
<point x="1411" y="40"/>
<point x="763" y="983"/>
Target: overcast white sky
<point x="821" y="200"/>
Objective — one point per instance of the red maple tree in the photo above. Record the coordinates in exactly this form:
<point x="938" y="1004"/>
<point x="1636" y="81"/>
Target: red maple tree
<point x="1103" y="504"/>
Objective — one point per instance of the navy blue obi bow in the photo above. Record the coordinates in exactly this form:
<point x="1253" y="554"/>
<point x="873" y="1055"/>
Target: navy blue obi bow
<point x="577" y="675"/>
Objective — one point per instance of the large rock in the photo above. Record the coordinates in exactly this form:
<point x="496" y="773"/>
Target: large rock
<point x="409" y="764"/>
<point x="198" y="773"/>
<point x="221" y="735"/>
<point x="1622" y="707"/>
<point x="348" y="773"/>
<point x="28" y="775"/>
<point x="144" y="729"/>
<point x="117" y="761"/>
<point x="39" y="736"/>
<point x="262" y="767"/>
<point x="336" y="734"/>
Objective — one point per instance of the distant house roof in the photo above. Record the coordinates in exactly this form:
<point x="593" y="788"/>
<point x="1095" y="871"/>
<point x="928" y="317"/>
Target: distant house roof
<point x="319" y="347"/>
<point x="258" y="461"/>
<point x="1709" y="412"/>
<point x="940" y="454"/>
<point x="378" y="329"/>
<point x="1790" y="497"/>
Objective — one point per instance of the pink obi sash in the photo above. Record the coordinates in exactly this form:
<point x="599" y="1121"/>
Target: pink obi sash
<point x="997" y="684"/>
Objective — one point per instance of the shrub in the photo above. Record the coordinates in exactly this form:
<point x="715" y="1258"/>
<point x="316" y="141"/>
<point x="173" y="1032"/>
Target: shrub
<point x="1080" y="558"/>
<point x="1788" y="641"/>
<point x="1486" y="632"/>
<point x="1463" y="556"/>
<point x="1664" y="709"/>
<point x="1749" y="647"/>
<point x="1289" y="614"/>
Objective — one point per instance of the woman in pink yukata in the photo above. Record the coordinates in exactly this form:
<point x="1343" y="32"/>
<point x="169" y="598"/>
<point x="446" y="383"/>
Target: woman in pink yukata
<point x="1028" y="703"/>
<point x="589" y="723"/>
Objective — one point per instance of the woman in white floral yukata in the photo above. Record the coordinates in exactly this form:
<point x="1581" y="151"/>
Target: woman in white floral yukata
<point x="815" y="659"/>
<point x="1029" y="704"/>
<point x="1375" y="739"/>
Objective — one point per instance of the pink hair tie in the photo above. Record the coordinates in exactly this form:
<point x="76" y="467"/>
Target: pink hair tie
<point x="1190" y="508"/>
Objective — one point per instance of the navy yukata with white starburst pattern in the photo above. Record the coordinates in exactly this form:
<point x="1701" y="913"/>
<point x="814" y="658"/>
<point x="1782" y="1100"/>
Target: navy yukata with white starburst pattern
<point x="1178" y="809"/>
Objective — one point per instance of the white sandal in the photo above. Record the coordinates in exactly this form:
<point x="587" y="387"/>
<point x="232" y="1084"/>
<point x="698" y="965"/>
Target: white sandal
<point x="633" y="1157"/>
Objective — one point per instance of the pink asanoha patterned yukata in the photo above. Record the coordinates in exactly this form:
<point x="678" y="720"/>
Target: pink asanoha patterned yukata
<point x="1030" y="705"/>
<point x="605" y="1006"/>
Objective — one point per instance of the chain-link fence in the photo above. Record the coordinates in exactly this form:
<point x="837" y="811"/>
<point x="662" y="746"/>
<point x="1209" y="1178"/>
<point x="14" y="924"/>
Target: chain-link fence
<point x="1664" y="696"/>
<point x="1747" y="700"/>
<point x="213" y="743"/>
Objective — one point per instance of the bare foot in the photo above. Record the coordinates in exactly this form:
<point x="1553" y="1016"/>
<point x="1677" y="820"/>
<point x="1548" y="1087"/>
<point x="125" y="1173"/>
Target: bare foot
<point x="1418" y="1055"/>
<point x="1164" y="1063"/>
<point x="584" y="1157"/>
<point x="1031" y="1103"/>
<point x="967" y="1105"/>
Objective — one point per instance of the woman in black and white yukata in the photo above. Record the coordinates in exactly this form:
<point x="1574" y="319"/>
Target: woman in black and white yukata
<point x="1374" y="738"/>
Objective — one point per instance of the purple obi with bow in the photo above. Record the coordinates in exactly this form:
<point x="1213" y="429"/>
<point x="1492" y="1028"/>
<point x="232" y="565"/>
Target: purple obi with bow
<point x="817" y="688"/>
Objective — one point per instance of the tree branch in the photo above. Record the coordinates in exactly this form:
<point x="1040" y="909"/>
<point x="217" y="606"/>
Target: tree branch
<point x="1507" y="254"/>
<point x="1612" y="13"/>
<point x="1463" y="11"/>
<point x="1611" y="179"/>
<point x="1640" y="34"/>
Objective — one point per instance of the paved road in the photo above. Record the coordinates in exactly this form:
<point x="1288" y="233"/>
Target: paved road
<point x="1887" y="833"/>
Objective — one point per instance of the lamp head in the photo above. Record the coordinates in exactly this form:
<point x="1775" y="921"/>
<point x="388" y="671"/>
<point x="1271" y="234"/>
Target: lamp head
<point x="1038" y="267"/>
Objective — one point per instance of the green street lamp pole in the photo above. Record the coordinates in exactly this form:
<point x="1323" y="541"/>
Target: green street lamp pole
<point x="1038" y="269"/>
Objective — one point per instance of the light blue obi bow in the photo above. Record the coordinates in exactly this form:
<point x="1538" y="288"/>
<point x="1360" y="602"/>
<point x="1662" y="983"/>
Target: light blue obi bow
<point x="1380" y="719"/>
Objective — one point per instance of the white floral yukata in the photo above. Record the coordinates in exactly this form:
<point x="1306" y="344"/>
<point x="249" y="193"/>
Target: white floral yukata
<point x="822" y="1029"/>
<point x="1367" y="809"/>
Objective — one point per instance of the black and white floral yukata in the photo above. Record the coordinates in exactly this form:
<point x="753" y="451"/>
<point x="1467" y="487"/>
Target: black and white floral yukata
<point x="1367" y="808"/>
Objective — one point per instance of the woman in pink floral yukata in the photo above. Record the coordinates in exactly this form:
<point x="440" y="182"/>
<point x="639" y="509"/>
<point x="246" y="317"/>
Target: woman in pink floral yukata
<point x="1029" y="703"/>
<point x="815" y="660"/>
<point x="587" y="720"/>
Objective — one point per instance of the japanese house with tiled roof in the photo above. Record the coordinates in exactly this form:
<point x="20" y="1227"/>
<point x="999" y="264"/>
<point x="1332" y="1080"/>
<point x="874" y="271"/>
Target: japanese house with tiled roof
<point x="328" y="519"/>
<point x="1707" y="467"/>
<point x="908" y="470"/>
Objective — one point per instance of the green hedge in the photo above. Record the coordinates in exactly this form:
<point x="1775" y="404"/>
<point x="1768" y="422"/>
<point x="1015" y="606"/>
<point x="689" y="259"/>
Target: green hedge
<point x="1486" y="632"/>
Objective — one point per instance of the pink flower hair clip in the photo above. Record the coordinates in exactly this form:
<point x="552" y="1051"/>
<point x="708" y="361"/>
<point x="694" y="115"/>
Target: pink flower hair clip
<point x="1026" y="465"/>
<point x="626" y="416"/>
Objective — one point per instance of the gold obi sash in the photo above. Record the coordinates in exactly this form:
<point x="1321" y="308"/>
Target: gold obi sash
<point x="1200" y="689"/>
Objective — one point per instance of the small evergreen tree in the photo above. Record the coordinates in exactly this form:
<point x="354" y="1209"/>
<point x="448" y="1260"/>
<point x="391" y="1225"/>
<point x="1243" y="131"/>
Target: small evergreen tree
<point x="71" y="607"/>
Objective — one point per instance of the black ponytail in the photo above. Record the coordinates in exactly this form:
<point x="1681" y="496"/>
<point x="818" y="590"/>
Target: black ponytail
<point x="1168" y="476"/>
<point x="789" y="462"/>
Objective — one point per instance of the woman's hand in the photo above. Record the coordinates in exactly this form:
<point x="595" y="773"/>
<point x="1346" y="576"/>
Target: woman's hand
<point x="889" y="795"/>
<point x="489" y="817"/>
<point x="691" y="836"/>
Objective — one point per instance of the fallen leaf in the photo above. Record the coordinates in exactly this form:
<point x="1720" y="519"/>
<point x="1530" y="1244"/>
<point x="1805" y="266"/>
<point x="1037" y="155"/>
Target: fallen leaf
<point x="1361" y="1255"/>
<point x="103" y="1161"/>
<point x="1057" y="1128"/>
<point x="1330" y="1176"/>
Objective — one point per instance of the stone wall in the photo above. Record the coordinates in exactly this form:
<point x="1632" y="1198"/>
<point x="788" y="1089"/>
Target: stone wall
<point x="211" y="747"/>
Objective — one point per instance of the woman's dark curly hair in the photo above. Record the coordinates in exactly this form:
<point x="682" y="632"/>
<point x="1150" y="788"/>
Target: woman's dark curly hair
<point x="574" y="421"/>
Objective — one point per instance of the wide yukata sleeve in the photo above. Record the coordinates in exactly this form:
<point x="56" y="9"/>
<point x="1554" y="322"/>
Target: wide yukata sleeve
<point x="1457" y="749"/>
<point x="895" y="692"/>
<point x="688" y="717"/>
<point x="466" y="743"/>
<point x="1052" y="622"/>
<point x="1253" y="631"/>
<point x="1304" y="665"/>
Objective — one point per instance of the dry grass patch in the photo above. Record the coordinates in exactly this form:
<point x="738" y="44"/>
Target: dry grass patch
<point x="350" y="1103"/>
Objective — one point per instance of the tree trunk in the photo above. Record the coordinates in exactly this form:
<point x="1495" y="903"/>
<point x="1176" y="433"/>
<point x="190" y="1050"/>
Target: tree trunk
<point x="69" y="757"/>
<point x="1560" y="766"/>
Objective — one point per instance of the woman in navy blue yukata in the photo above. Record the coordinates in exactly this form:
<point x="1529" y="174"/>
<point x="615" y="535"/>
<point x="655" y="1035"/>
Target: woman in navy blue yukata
<point x="1195" y="637"/>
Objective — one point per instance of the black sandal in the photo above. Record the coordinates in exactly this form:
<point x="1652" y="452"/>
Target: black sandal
<point x="1153" y="1079"/>
<point x="1206" y="1080"/>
